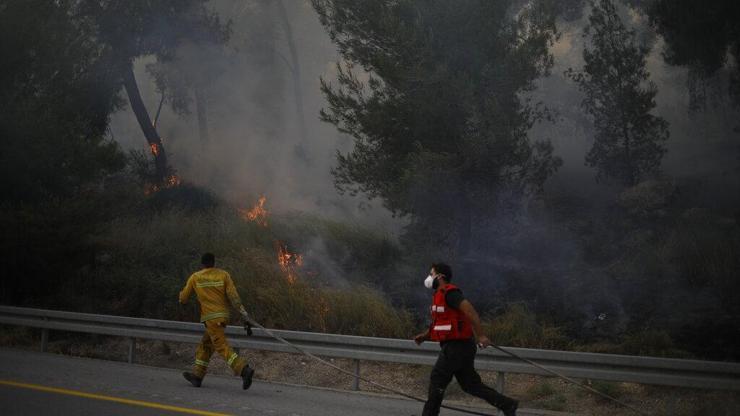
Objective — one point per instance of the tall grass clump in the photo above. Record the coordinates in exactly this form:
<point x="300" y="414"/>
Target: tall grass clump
<point x="519" y="327"/>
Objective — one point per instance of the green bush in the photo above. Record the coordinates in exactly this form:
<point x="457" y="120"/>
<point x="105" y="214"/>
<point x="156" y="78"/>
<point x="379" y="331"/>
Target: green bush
<point x="518" y="327"/>
<point x="657" y="343"/>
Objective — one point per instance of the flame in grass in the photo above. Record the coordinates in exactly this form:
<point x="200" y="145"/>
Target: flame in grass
<point x="289" y="262"/>
<point x="172" y="181"/>
<point x="169" y="182"/>
<point x="257" y="214"/>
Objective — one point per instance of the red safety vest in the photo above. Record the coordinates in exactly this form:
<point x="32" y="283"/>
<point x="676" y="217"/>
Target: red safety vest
<point x="448" y="323"/>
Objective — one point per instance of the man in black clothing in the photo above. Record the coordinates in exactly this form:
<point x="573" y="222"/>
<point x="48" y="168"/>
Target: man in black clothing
<point x="455" y="323"/>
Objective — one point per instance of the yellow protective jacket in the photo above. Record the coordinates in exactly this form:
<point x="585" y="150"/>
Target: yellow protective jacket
<point x="213" y="287"/>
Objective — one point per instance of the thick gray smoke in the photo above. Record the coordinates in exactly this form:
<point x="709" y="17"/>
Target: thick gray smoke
<point x="257" y="144"/>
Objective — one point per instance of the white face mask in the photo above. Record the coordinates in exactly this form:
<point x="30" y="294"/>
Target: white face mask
<point x="429" y="282"/>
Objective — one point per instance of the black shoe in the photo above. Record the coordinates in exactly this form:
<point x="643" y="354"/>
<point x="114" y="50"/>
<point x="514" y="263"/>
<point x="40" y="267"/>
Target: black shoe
<point x="247" y="374"/>
<point x="511" y="410"/>
<point x="192" y="378"/>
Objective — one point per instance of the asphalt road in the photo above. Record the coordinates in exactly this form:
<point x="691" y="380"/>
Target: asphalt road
<point x="34" y="383"/>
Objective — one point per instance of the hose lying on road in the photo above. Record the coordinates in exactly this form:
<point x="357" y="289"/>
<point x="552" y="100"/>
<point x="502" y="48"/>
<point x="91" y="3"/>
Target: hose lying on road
<point x="254" y="323"/>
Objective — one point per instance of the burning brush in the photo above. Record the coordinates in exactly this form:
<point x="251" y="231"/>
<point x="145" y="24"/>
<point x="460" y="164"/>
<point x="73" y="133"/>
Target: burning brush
<point x="257" y="214"/>
<point x="289" y="262"/>
<point x="169" y="182"/>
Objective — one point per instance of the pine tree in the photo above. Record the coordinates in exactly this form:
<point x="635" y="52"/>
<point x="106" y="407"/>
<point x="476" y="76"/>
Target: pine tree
<point x="432" y="93"/>
<point x="628" y="145"/>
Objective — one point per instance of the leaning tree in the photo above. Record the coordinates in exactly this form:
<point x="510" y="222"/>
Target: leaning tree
<point x="126" y="30"/>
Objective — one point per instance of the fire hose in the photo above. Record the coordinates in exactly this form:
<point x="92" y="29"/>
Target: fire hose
<point x="249" y="323"/>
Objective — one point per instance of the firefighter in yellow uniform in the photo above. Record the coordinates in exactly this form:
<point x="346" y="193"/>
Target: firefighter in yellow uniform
<point x="215" y="290"/>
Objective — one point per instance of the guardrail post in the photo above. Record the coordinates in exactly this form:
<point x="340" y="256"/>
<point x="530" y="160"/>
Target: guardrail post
<point x="356" y="382"/>
<point x="44" y="339"/>
<point x="500" y="382"/>
<point x="131" y="350"/>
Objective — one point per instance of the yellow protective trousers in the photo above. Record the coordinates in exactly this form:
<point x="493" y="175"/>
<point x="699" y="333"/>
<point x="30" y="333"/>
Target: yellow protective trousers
<point x="214" y="340"/>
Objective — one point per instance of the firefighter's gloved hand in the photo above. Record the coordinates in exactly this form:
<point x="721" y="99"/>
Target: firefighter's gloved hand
<point x="245" y="318"/>
<point x="483" y="341"/>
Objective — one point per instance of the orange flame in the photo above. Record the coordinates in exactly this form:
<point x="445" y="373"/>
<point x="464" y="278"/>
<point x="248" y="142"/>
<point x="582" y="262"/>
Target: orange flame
<point x="154" y="148"/>
<point x="169" y="182"/>
<point x="257" y="214"/>
<point x="172" y="181"/>
<point x="289" y="262"/>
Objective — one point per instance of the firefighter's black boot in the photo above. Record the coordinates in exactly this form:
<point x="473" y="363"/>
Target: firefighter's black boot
<point x="511" y="410"/>
<point x="192" y="378"/>
<point x="247" y="373"/>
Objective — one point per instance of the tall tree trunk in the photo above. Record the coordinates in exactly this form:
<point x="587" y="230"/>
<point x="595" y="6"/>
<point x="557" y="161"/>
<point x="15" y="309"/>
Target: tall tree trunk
<point x="295" y="71"/>
<point x="201" y="105"/>
<point x="145" y="122"/>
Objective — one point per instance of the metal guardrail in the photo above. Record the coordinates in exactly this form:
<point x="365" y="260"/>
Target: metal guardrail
<point x="636" y="369"/>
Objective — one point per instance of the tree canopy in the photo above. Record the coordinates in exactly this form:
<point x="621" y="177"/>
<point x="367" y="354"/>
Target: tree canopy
<point x="619" y="97"/>
<point x="434" y="95"/>
<point x="58" y="93"/>
<point x="703" y="36"/>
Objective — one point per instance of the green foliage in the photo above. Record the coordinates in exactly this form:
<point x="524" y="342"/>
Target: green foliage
<point x="57" y="97"/>
<point x="619" y="96"/>
<point x="518" y="327"/>
<point x="701" y="36"/>
<point x="129" y="30"/>
<point x="655" y="343"/>
<point x="42" y="245"/>
<point x="366" y="312"/>
<point x="436" y="112"/>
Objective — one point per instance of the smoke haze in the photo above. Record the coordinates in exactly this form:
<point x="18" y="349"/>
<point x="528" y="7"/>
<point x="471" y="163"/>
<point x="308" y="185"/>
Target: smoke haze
<point x="256" y="145"/>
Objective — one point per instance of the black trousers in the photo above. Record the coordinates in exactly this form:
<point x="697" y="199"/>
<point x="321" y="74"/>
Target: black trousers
<point x="457" y="358"/>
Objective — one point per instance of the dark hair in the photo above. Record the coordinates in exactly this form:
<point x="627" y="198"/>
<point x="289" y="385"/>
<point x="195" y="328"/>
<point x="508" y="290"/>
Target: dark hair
<point x="444" y="270"/>
<point x="208" y="260"/>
